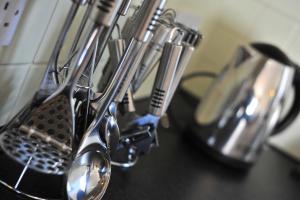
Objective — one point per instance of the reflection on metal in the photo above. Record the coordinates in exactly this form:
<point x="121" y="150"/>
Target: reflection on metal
<point x="69" y="133"/>
<point x="89" y="176"/>
<point x="243" y="106"/>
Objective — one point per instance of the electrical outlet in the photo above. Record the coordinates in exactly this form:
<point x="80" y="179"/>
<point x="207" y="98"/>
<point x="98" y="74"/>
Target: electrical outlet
<point x="10" y="15"/>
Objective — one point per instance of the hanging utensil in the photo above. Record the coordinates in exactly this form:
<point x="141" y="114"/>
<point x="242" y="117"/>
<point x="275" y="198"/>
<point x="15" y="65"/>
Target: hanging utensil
<point x="91" y="140"/>
<point x="49" y="125"/>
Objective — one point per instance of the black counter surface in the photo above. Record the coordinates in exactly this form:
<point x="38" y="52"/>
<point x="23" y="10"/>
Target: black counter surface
<point x="179" y="171"/>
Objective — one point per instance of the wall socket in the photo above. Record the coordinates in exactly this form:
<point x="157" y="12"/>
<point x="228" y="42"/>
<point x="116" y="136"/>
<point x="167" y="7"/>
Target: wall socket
<point x="10" y="15"/>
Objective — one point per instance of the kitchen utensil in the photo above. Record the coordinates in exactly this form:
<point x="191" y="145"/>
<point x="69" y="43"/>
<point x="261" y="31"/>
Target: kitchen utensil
<point x="142" y="35"/>
<point x="153" y="54"/>
<point x="50" y="81"/>
<point x="44" y="135"/>
<point x="91" y="139"/>
<point x="191" y="40"/>
<point x="139" y="134"/>
<point x="162" y="85"/>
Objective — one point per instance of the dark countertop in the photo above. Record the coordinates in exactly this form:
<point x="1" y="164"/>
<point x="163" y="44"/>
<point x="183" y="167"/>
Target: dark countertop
<point x="179" y="171"/>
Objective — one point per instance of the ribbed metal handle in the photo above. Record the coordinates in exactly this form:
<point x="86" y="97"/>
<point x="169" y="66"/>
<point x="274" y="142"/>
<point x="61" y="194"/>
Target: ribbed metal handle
<point x="153" y="54"/>
<point x="104" y="11"/>
<point x="164" y="78"/>
<point x="147" y="17"/>
<point x="142" y="23"/>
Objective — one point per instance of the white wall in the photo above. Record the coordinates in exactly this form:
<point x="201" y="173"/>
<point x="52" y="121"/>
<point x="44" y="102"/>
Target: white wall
<point x="225" y="25"/>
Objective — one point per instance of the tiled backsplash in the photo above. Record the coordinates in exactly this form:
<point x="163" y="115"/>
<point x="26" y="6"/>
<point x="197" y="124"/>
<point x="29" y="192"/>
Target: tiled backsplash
<point x="31" y="31"/>
<point x="225" y="25"/>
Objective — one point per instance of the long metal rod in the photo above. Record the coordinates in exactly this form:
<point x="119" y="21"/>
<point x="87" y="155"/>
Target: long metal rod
<point x="185" y="58"/>
<point x="112" y="89"/>
<point x="90" y="85"/>
<point x="51" y="77"/>
<point x="103" y="44"/>
<point x="81" y="62"/>
<point x="152" y="55"/>
<point x="23" y="172"/>
<point x="79" y="32"/>
<point x="101" y="48"/>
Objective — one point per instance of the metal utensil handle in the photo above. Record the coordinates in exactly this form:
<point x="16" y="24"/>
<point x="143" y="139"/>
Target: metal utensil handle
<point x="131" y="58"/>
<point x="185" y="58"/>
<point x="50" y="80"/>
<point x="152" y="55"/>
<point x="104" y="38"/>
<point x="116" y="50"/>
<point x="99" y="28"/>
<point x="147" y="18"/>
<point x="111" y="91"/>
<point x="130" y="74"/>
<point x="176" y="35"/>
<point x="127" y="104"/>
<point x="165" y="75"/>
<point x="140" y="27"/>
<point x="112" y="62"/>
<point x="144" y="23"/>
<point x="190" y="40"/>
<point x="125" y="7"/>
<point x="79" y="33"/>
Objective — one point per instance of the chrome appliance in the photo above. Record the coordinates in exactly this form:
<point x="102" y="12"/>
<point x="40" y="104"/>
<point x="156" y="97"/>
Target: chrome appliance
<point x="243" y="107"/>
